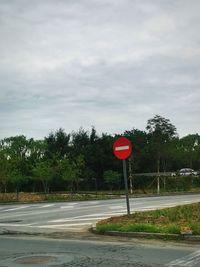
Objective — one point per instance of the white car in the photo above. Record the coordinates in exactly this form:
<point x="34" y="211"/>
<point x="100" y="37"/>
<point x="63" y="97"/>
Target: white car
<point x="187" y="172"/>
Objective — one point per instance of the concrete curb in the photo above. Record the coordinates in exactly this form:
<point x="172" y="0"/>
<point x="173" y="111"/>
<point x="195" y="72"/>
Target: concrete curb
<point x="175" y="237"/>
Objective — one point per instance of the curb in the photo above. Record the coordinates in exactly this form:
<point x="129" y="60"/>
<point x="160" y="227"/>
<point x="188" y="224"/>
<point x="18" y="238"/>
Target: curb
<point x="181" y="237"/>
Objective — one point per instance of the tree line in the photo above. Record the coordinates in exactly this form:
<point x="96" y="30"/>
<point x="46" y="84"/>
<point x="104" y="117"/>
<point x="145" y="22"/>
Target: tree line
<point x="84" y="160"/>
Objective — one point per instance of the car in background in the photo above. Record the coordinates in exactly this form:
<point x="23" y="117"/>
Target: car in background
<point x="187" y="172"/>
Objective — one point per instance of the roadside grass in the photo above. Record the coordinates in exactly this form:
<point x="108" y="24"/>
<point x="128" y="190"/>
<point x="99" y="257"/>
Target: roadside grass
<point x="24" y="197"/>
<point x="181" y="219"/>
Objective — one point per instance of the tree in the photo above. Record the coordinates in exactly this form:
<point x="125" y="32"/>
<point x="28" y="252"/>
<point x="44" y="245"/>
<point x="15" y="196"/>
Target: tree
<point x="43" y="172"/>
<point x="16" y="178"/>
<point x="189" y="146"/>
<point x="80" y="142"/>
<point x="37" y="149"/>
<point x="72" y="170"/>
<point x="4" y="169"/>
<point x="161" y="132"/>
<point x="57" y="144"/>
<point x="17" y="151"/>
<point x="139" y="160"/>
<point x="112" y="178"/>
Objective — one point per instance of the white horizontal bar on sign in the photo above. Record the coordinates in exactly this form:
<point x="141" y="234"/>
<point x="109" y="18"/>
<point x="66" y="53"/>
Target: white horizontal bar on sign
<point x="119" y="148"/>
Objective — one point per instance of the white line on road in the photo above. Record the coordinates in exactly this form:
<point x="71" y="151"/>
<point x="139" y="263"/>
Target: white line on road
<point x="82" y="219"/>
<point x="46" y="206"/>
<point x="67" y="207"/>
<point x="14" y="225"/>
<point x="18" y="208"/>
<point x="92" y="202"/>
<point x="189" y="260"/>
<point x="155" y="207"/>
<point x="28" y="213"/>
<point x="116" y="207"/>
<point x="96" y="216"/>
<point x="62" y="225"/>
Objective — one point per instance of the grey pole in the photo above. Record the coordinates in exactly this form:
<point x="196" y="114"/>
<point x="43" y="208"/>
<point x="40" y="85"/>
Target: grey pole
<point x="126" y="186"/>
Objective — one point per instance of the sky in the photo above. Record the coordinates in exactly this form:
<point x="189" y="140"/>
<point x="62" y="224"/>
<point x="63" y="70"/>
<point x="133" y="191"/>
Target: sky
<point x="111" y="64"/>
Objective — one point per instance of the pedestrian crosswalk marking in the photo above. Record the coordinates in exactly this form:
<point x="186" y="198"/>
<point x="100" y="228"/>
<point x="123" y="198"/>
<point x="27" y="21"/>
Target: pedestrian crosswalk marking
<point x="187" y="261"/>
<point x="17" y="208"/>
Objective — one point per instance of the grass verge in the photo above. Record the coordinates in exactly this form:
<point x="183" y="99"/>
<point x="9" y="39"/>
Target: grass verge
<point x="177" y="220"/>
<point x="39" y="197"/>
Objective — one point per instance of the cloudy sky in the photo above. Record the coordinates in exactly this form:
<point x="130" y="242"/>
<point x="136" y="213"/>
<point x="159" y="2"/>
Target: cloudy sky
<point x="112" y="64"/>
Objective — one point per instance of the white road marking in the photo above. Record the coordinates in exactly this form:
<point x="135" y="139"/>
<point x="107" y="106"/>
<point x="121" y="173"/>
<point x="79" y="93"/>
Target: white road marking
<point x="155" y="207"/>
<point x="28" y="213"/>
<point x="82" y="219"/>
<point x="147" y="208"/>
<point x="116" y="207"/>
<point x="74" y="226"/>
<point x="47" y="206"/>
<point x="18" y="208"/>
<point x="92" y="202"/>
<point x="66" y="207"/>
<point x="189" y="260"/>
<point x="62" y="225"/>
<point x="96" y="216"/>
<point x="14" y="225"/>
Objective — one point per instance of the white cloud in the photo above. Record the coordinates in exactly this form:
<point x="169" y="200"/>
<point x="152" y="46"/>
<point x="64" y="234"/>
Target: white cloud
<point x="112" y="64"/>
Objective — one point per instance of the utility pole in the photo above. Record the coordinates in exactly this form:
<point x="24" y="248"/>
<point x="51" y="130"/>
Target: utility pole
<point x="158" y="175"/>
<point x="130" y="175"/>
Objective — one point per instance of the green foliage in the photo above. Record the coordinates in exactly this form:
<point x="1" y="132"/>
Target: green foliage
<point x="4" y="170"/>
<point x="57" y="144"/>
<point x="195" y="228"/>
<point x="140" y="227"/>
<point x="112" y="178"/>
<point x="108" y="227"/>
<point x="89" y="163"/>
<point x="68" y="172"/>
<point x="171" y="229"/>
<point x="168" y="221"/>
<point x="43" y="172"/>
<point x="161" y="132"/>
<point x="140" y="156"/>
<point x="38" y="197"/>
<point x="72" y="170"/>
<point x="186" y="213"/>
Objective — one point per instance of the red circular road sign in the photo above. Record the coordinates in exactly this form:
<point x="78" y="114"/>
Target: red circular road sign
<point x="122" y="148"/>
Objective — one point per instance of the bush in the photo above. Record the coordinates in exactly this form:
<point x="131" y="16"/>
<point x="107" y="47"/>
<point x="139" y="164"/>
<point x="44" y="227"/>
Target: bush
<point x="108" y="227"/>
<point x="140" y="227"/>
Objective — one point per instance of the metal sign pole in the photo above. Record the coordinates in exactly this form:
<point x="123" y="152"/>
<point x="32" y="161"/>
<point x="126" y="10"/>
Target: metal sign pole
<point x="126" y="186"/>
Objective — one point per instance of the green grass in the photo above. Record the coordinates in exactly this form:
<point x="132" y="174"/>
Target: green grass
<point x="38" y="197"/>
<point x="176" y="220"/>
<point x="140" y="227"/>
<point x="195" y="228"/>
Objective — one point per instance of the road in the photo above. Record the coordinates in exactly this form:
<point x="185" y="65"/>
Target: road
<point x="81" y="249"/>
<point x="37" y="251"/>
<point x="77" y="216"/>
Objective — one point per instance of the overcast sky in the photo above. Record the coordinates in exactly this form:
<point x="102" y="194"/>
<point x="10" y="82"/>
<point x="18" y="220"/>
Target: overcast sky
<point x="112" y="64"/>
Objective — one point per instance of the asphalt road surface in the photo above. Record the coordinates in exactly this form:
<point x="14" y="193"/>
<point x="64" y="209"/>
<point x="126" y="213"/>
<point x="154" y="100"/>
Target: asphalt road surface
<point x="77" y="216"/>
<point x="26" y="251"/>
<point x="75" y="247"/>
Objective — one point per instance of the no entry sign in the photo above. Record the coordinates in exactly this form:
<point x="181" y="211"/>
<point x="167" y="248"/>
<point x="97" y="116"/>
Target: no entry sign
<point x="122" y="148"/>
